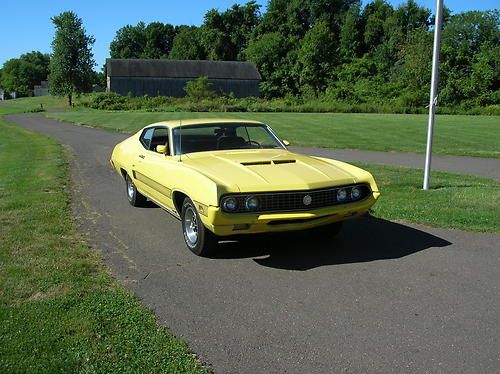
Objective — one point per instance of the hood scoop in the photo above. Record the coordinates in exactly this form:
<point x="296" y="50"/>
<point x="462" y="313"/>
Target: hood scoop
<point x="276" y="162"/>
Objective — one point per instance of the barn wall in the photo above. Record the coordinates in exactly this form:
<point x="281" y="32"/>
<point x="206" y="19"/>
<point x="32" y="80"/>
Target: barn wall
<point x="140" y="86"/>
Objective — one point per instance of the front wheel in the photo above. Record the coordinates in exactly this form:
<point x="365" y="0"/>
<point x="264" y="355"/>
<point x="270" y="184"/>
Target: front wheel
<point x="198" y="239"/>
<point x="135" y="198"/>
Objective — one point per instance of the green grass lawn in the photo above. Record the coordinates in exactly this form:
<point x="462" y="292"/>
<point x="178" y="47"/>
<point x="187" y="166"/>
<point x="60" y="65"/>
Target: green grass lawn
<point x="456" y="201"/>
<point x="454" y="135"/>
<point x="31" y="103"/>
<point x="60" y="309"/>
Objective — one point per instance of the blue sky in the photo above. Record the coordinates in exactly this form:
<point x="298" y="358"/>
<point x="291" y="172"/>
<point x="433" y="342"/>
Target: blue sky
<point x="26" y="24"/>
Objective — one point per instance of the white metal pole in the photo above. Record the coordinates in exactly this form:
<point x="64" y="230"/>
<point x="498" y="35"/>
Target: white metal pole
<point x="434" y="89"/>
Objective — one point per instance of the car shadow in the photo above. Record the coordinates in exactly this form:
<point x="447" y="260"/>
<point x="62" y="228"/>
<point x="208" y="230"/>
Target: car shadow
<point x="362" y="240"/>
<point x="148" y="205"/>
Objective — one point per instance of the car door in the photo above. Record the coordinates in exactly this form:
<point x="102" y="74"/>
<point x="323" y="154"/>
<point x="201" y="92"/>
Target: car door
<point x="156" y="169"/>
<point x="137" y="167"/>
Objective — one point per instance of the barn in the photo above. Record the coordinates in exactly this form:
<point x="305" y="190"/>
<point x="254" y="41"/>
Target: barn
<point x="169" y="77"/>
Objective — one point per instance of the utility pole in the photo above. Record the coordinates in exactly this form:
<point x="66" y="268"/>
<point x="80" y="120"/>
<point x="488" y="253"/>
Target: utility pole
<point x="434" y="88"/>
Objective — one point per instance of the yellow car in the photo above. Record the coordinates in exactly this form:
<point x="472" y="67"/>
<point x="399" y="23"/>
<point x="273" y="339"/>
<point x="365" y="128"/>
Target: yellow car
<point x="224" y="177"/>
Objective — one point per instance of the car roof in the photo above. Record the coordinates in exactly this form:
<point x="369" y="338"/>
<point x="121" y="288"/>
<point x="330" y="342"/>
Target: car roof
<point x="201" y="121"/>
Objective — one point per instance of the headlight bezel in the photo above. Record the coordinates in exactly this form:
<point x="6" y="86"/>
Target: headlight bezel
<point x="224" y="204"/>
<point x="342" y="192"/>
<point x="247" y="203"/>
<point x="359" y="194"/>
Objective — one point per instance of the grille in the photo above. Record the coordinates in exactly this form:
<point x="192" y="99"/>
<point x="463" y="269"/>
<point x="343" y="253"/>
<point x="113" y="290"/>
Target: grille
<point x="294" y="201"/>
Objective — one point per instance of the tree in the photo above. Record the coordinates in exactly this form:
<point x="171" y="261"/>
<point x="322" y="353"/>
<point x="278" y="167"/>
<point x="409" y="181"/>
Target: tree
<point x="71" y="64"/>
<point x="143" y="41"/>
<point x="373" y="19"/>
<point x="467" y="37"/>
<point x="21" y="74"/>
<point x="414" y="67"/>
<point x="159" y="40"/>
<point x="350" y="34"/>
<point x="187" y="44"/>
<point x="225" y="35"/>
<point x="129" y="42"/>
<point x="295" y="17"/>
<point x="317" y="57"/>
<point x="275" y="57"/>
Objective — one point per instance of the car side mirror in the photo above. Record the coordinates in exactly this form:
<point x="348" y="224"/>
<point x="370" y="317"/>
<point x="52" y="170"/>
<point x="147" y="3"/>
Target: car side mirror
<point x="286" y="142"/>
<point x="163" y="149"/>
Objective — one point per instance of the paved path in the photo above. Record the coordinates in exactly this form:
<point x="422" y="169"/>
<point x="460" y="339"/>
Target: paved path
<point x="481" y="167"/>
<point x="381" y="297"/>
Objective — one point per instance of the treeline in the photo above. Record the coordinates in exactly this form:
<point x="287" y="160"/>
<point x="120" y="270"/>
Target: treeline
<point x="21" y="74"/>
<point x="338" y="50"/>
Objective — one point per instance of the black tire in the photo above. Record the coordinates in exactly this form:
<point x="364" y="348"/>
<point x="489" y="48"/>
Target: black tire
<point x="135" y="198"/>
<point x="327" y="231"/>
<point x="197" y="237"/>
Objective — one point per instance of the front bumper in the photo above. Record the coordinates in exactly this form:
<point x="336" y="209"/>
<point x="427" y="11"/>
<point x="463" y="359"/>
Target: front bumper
<point x="225" y="224"/>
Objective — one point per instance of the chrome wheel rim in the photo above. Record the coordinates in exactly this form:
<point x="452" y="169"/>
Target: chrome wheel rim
<point x="191" y="227"/>
<point x="130" y="189"/>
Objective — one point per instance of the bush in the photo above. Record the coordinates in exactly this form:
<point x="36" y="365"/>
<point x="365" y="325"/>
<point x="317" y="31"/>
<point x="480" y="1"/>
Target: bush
<point x="107" y="101"/>
<point x="323" y="103"/>
<point x="199" y="89"/>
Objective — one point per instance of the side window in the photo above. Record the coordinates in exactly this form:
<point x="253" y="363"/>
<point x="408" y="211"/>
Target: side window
<point x="160" y="137"/>
<point x="146" y="137"/>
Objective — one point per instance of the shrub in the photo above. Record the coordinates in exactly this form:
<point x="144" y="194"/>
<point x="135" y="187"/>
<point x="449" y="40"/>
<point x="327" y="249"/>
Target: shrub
<point x="199" y="89"/>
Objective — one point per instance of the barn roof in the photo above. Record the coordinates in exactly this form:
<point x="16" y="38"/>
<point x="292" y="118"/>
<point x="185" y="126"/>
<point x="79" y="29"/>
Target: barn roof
<point x="242" y="70"/>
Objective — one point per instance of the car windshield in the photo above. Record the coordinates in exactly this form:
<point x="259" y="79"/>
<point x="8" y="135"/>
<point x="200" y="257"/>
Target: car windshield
<point x="223" y="136"/>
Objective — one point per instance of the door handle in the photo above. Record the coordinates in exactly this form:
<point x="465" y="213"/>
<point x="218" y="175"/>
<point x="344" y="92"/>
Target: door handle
<point x="142" y="156"/>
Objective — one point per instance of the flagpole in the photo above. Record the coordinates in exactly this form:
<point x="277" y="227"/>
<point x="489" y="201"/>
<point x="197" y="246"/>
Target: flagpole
<point x="434" y="88"/>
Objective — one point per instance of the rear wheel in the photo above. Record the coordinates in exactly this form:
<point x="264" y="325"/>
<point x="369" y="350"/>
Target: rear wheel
<point x="135" y="198"/>
<point x="198" y="239"/>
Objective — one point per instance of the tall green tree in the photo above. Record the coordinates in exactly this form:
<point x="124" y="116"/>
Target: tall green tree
<point x="413" y="69"/>
<point x="373" y="23"/>
<point x="294" y="18"/>
<point x="21" y="74"/>
<point x="154" y="40"/>
<point x="275" y="57"/>
<point x="317" y="57"/>
<point x="72" y="62"/>
<point x="226" y="34"/>
<point x="470" y="44"/>
<point x="129" y="42"/>
<point x="187" y="44"/>
<point x="159" y="40"/>
<point x="349" y="39"/>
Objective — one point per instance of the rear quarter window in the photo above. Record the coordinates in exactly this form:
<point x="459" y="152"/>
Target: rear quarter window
<point x="146" y="137"/>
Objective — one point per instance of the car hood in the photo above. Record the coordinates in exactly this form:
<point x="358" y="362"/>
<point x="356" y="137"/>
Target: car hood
<point x="267" y="170"/>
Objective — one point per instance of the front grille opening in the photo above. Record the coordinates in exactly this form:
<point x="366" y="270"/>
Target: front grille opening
<point x="291" y="221"/>
<point x="295" y="200"/>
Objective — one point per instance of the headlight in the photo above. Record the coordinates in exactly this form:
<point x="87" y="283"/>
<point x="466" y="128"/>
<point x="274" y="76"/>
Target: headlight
<point x="230" y="204"/>
<point x="252" y="203"/>
<point x="341" y="195"/>
<point x="355" y="193"/>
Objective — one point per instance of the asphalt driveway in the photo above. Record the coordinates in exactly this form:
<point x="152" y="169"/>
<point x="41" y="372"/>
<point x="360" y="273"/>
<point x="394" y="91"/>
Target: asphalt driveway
<point x="381" y="297"/>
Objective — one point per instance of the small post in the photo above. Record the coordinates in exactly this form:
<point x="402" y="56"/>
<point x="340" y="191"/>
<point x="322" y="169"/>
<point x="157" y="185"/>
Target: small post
<point x="434" y="88"/>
